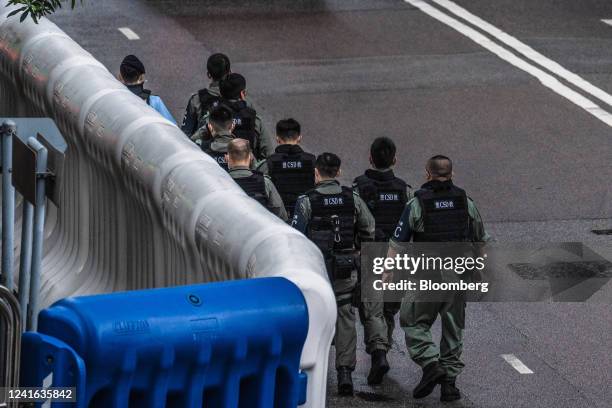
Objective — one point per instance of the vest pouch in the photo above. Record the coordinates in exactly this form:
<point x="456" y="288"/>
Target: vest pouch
<point x="322" y="239"/>
<point x="343" y="265"/>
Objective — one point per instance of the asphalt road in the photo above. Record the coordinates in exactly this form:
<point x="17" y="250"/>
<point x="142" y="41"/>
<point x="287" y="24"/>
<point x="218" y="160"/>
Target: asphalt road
<point x="537" y="165"/>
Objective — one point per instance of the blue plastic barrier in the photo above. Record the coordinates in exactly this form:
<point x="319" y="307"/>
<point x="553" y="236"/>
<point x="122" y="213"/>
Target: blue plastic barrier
<point x="229" y="344"/>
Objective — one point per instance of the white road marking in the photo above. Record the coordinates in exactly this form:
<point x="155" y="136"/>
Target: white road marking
<point x="517" y="364"/>
<point x="608" y="22"/>
<point x="129" y="34"/>
<point x="527" y="51"/>
<point x="48" y="380"/>
<point x="546" y="79"/>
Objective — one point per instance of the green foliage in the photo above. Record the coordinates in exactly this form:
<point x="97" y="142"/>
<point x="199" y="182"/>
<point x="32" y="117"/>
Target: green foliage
<point x="37" y="8"/>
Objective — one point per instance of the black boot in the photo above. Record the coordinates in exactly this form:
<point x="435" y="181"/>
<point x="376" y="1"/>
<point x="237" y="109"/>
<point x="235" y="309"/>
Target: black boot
<point x="380" y="367"/>
<point x="449" y="391"/>
<point x="345" y="381"/>
<point x="432" y="374"/>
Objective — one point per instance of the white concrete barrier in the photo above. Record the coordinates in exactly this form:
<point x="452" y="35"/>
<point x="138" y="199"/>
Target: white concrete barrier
<point x="142" y="206"/>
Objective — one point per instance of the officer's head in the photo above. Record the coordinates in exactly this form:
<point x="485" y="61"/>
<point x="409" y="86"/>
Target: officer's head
<point x="288" y="131"/>
<point x="221" y="119"/>
<point x="238" y="153"/>
<point x="218" y="66"/>
<point x="439" y="168"/>
<point x="382" y="153"/>
<point x="233" y="87"/>
<point x="131" y="71"/>
<point x="327" y="167"/>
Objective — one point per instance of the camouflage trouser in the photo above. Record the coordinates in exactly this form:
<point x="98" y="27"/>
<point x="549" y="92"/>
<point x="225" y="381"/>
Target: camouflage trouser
<point x="390" y="309"/>
<point x="416" y="319"/>
<point x="371" y="315"/>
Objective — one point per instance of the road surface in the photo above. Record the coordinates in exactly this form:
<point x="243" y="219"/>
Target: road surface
<point x="530" y="140"/>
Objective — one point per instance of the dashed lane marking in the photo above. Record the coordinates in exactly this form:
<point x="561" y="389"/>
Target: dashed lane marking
<point x="129" y="34"/>
<point x="517" y="364"/>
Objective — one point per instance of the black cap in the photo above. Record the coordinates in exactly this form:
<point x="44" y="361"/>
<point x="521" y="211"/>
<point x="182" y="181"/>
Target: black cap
<point x="231" y="86"/>
<point x="131" y="67"/>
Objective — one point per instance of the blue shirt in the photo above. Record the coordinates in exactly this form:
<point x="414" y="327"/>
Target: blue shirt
<point x="156" y="103"/>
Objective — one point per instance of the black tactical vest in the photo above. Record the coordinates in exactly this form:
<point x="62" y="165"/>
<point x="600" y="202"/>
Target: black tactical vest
<point x="386" y="197"/>
<point x="244" y="121"/>
<point x="255" y="187"/>
<point x="445" y="213"/>
<point x="218" y="156"/>
<point x="332" y="229"/>
<point x="139" y="90"/>
<point x="292" y="172"/>
<point x="207" y="101"/>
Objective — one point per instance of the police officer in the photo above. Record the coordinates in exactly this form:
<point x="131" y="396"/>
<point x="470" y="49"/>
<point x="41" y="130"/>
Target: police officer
<point x="220" y="125"/>
<point x="132" y="75"/>
<point x="255" y="184"/>
<point x="290" y="168"/>
<point x="386" y="196"/>
<point x="248" y="124"/>
<point x="200" y="103"/>
<point x="424" y="221"/>
<point x="337" y="221"/>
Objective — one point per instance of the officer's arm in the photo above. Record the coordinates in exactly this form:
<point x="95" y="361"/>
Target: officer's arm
<point x="198" y="136"/>
<point x="275" y="201"/>
<point x="301" y="217"/>
<point x="366" y="224"/>
<point x="262" y="167"/>
<point x="403" y="230"/>
<point x="265" y="146"/>
<point x="190" y="121"/>
<point x="409" y="192"/>
<point x="480" y="235"/>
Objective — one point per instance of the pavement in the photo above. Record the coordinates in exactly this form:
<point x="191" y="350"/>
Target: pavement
<point x="536" y="162"/>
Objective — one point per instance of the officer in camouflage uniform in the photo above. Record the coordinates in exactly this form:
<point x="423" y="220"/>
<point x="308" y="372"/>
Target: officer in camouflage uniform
<point x="424" y="220"/>
<point x="290" y="167"/>
<point x="247" y="123"/>
<point x="255" y="184"/>
<point x="337" y="221"/>
<point x="218" y="67"/>
<point x="386" y="196"/>
<point x="220" y="125"/>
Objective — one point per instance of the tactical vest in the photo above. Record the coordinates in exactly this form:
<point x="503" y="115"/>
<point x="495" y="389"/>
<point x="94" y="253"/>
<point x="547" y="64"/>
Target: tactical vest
<point x="386" y="197"/>
<point x="244" y="121"/>
<point x="445" y="214"/>
<point x="332" y="229"/>
<point x="292" y="175"/>
<point x="207" y="102"/>
<point x="218" y="156"/>
<point x="255" y="187"/>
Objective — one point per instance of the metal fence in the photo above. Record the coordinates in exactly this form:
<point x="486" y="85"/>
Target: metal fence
<point x="140" y="205"/>
<point x="10" y="335"/>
